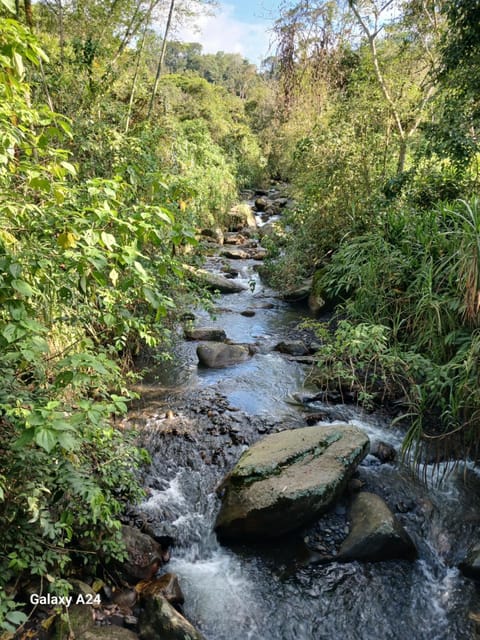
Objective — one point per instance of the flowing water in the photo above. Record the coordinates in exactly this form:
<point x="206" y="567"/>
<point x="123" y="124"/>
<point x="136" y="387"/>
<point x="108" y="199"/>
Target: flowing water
<point x="270" y="592"/>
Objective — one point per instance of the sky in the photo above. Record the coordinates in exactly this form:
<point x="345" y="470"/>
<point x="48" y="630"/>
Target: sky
<point x="237" y="26"/>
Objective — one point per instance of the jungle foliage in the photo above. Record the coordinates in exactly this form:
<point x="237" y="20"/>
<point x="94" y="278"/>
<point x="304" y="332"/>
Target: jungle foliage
<point x="385" y="172"/>
<point x="99" y="204"/>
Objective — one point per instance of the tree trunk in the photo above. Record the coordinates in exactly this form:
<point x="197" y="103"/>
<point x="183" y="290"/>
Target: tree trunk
<point x="402" y="154"/>
<point x="161" y="59"/>
<point x="135" y="78"/>
<point x="28" y="13"/>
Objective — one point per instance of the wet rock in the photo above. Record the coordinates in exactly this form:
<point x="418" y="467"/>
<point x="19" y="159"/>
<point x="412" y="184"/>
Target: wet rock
<point x="261" y="203"/>
<point x="268" y="230"/>
<point x="292" y="347"/>
<point x="383" y="451"/>
<point x="234" y="254"/>
<point x="216" y="234"/>
<point x="81" y="623"/>
<point x="160" y="620"/>
<point x="167" y="586"/>
<point x="355" y="485"/>
<point x="259" y="254"/>
<point x="298" y="293"/>
<point x="375" y="532"/>
<point x="248" y="313"/>
<point x="144" y="555"/>
<point x="234" y="238"/>
<point x="286" y="479"/>
<point x="217" y="355"/>
<point x="261" y="192"/>
<point x="206" y="333"/>
<point x="214" y="281"/>
<point x="280" y="202"/>
<point x="470" y="565"/>
<point x="241" y="215"/>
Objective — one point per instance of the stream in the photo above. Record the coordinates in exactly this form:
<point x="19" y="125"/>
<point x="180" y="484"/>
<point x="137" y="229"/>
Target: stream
<point x="196" y="422"/>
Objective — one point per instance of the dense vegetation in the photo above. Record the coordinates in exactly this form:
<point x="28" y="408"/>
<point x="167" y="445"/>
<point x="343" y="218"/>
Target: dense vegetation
<point x="385" y="171"/>
<point x="101" y="192"/>
<point x="117" y="145"/>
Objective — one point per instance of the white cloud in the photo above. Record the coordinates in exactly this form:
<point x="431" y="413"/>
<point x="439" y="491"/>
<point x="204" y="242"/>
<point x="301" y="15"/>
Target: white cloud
<point x="224" y="32"/>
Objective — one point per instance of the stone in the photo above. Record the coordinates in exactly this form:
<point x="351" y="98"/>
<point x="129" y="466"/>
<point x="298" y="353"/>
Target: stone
<point x="242" y="215"/>
<point x="261" y="203"/>
<point x="383" y="451"/>
<point x="298" y="293"/>
<point x="375" y="533"/>
<point x="81" y="623"/>
<point x="206" y="333"/>
<point x="160" y="620"/>
<point x="470" y="565"/>
<point x="248" y="313"/>
<point x="234" y="254"/>
<point x="145" y="555"/>
<point x="292" y="347"/>
<point x="217" y="355"/>
<point x="280" y="202"/>
<point x="259" y="254"/>
<point x="167" y="586"/>
<point x="286" y="479"/>
<point x="216" y="234"/>
<point x="214" y="281"/>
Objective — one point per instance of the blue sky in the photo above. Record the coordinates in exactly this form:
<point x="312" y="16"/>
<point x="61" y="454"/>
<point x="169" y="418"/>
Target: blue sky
<point x="237" y="26"/>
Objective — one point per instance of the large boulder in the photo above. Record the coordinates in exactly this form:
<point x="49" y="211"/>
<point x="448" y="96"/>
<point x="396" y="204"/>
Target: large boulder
<point x="285" y="480"/>
<point x="376" y="533"/>
<point x="217" y="355"/>
<point x="159" y="620"/>
<point x="214" y="281"/>
<point x="206" y="333"/>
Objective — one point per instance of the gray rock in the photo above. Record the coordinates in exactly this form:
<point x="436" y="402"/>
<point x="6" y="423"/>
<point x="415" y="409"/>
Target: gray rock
<point x="470" y="566"/>
<point x="286" y="479"/>
<point x="248" y="313"/>
<point x="216" y="234"/>
<point x="81" y="623"/>
<point x="242" y="215"/>
<point x="300" y="292"/>
<point x="375" y="532"/>
<point x="159" y="620"/>
<point x="383" y="451"/>
<point x="218" y="355"/>
<point x="145" y="555"/>
<point x="292" y="347"/>
<point x="206" y="333"/>
<point x="234" y="254"/>
<point x="261" y="203"/>
<point x="214" y="281"/>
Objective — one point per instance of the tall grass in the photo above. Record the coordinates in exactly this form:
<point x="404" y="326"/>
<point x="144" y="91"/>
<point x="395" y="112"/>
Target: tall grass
<point x="417" y="273"/>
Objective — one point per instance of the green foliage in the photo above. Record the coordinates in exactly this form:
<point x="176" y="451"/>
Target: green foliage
<point x="416" y="275"/>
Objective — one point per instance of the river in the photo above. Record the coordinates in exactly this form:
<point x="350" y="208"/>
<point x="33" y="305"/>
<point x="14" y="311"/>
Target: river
<point x="271" y="592"/>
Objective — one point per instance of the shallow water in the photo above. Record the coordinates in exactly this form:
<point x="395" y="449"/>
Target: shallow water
<point x="269" y="594"/>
